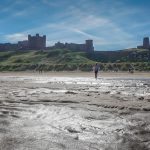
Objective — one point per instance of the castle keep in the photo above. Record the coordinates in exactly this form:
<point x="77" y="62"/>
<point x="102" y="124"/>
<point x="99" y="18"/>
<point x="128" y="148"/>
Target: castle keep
<point x="36" y="42"/>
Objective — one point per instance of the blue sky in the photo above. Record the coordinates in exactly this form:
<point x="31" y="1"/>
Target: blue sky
<point x="112" y="24"/>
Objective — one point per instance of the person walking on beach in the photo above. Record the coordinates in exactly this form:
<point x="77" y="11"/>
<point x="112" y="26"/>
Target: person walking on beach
<point x="96" y="69"/>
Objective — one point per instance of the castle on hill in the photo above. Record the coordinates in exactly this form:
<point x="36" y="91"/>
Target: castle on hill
<point x="38" y="42"/>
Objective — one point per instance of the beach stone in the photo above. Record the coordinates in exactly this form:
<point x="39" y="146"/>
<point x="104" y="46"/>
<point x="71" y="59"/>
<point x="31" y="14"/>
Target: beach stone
<point x="146" y="109"/>
<point x="141" y="98"/>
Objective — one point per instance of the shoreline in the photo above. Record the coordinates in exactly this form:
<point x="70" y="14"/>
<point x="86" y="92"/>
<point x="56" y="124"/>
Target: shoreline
<point x="79" y="74"/>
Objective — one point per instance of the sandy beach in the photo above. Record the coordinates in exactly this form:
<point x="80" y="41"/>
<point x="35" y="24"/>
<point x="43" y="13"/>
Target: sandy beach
<point x="73" y="111"/>
<point x="79" y="74"/>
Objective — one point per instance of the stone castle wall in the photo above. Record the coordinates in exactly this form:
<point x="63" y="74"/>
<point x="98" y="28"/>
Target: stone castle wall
<point x="87" y="47"/>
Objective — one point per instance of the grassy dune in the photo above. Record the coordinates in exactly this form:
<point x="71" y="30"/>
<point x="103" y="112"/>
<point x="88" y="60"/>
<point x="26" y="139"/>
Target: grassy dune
<point x="62" y="59"/>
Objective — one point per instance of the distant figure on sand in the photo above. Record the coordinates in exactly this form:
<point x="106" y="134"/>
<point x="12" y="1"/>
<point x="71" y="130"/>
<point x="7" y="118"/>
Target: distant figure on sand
<point x="96" y="69"/>
<point x="39" y="69"/>
<point x="131" y="69"/>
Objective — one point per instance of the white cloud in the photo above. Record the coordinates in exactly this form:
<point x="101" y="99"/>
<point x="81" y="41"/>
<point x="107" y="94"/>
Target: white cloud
<point x="20" y="13"/>
<point x="50" y="3"/>
<point x="15" y="37"/>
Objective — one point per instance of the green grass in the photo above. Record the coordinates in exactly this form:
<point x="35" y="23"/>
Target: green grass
<point x="63" y="59"/>
<point x="57" y="60"/>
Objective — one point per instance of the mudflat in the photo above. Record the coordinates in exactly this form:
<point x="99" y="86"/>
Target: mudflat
<point x="73" y="111"/>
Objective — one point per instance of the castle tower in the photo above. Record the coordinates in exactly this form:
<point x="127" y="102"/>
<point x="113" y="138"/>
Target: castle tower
<point x="44" y="41"/>
<point x="146" y="43"/>
<point x="89" y="46"/>
<point x="37" y="42"/>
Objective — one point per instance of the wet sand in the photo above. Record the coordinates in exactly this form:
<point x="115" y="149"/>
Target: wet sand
<point x="79" y="74"/>
<point x="55" y="111"/>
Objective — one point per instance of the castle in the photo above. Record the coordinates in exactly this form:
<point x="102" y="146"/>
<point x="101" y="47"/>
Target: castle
<point x="38" y="42"/>
<point x="146" y="44"/>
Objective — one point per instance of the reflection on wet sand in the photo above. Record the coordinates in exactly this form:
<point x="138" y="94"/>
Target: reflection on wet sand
<point x="74" y="113"/>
